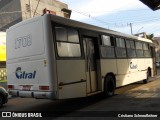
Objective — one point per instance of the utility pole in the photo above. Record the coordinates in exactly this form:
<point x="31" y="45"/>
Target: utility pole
<point x="30" y="9"/>
<point x="130" y="24"/>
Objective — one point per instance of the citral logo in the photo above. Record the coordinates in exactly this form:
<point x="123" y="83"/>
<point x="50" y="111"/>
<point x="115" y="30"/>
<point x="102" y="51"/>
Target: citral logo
<point x="24" y="75"/>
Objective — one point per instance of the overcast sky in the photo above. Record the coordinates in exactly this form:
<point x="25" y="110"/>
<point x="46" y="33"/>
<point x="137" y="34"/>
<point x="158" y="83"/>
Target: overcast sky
<point x="116" y="15"/>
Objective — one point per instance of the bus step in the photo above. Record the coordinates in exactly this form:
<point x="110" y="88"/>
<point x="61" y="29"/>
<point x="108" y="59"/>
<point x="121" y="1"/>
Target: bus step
<point x="93" y="93"/>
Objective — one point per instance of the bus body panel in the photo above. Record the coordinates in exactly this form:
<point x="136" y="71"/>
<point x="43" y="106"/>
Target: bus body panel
<point x="30" y="72"/>
<point x="71" y="78"/>
<point x="112" y="66"/>
<point x="127" y="71"/>
<point x="26" y="40"/>
<point x="149" y="64"/>
<point x="29" y="67"/>
<point x="133" y="65"/>
<point x="122" y="66"/>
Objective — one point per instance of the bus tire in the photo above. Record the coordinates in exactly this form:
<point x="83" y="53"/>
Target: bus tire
<point x="109" y="86"/>
<point x="147" y="78"/>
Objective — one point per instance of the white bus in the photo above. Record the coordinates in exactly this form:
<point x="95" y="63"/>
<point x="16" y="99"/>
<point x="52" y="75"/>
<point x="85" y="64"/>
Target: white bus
<point x="57" y="58"/>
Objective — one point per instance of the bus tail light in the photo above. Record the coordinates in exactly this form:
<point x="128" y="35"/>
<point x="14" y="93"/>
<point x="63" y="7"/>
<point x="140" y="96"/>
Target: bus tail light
<point x="44" y="87"/>
<point x="10" y="87"/>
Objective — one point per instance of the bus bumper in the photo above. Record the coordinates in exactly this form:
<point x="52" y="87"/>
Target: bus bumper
<point x="34" y="94"/>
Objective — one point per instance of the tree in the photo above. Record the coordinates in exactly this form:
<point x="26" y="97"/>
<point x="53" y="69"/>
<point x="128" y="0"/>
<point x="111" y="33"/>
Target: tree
<point x="151" y="37"/>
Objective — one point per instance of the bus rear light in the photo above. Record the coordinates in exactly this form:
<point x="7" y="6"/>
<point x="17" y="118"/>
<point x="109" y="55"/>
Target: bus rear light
<point x="44" y="87"/>
<point x="10" y="86"/>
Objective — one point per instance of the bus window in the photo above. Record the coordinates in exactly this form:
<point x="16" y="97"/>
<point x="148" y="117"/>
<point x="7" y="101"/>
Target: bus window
<point x="132" y="43"/>
<point x="73" y="35"/>
<point x="120" y="48"/>
<point x="131" y="52"/>
<point x="139" y="49"/>
<point x="68" y="49"/>
<point x="128" y="44"/>
<point x="120" y="42"/>
<point x="106" y="40"/>
<point x="107" y="47"/>
<point x="145" y="46"/>
<point x="146" y="50"/>
<point x="61" y="34"/>
<point x="67" y="42"/>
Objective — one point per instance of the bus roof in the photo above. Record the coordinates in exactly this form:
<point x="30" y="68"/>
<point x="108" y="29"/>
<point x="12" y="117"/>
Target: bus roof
<point x="78" y="24"/>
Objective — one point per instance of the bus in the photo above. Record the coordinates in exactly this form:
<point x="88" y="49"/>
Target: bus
<point x="52" y="57"/>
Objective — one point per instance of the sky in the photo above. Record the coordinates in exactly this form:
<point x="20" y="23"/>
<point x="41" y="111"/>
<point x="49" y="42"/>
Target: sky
<point x="116" y="15"/>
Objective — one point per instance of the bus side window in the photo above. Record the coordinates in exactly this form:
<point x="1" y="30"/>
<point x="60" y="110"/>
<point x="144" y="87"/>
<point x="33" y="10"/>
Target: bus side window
<point x="61" y="34"/>
<point x="139" y="49"/>
<point x="120" y="48"/>
<point x="146" y="50"/>
<point x="131" y="52"/>
<point x="73" y="35"/>
<point x="67" y="42"/>
<point x="107" y="46"/>
<point x="153" y="51"/>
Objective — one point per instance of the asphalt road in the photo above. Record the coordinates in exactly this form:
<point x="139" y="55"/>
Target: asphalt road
<point x="130" y="98"/>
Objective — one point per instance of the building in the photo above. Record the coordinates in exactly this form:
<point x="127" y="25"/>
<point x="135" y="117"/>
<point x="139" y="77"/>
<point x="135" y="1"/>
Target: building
<point x="157" y="49"/>
<point x="3" y="76"/>
<point x="2" y="46"/>
<point x="14" y="11"/>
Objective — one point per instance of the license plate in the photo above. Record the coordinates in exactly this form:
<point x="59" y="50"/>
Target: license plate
<point x="26" y="87"/>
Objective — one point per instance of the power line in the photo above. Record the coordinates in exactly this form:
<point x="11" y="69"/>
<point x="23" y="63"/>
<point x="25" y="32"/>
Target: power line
<point x="118" y="25"/>
<point x="137" y="19"/>
<point x="36" y="8"/>
<point x="113" y="11"/>
<point x="91" y="17"/>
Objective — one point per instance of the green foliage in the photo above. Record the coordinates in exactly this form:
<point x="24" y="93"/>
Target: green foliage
<point x="151" y="36"/>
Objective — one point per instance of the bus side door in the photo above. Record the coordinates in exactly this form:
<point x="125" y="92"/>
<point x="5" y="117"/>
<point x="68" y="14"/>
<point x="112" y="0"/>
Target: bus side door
<point x="91" y="55"/>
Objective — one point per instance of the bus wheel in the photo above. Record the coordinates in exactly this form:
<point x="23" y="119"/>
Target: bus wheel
<point x="147" y="78"/>
<point x="109" y="86"/>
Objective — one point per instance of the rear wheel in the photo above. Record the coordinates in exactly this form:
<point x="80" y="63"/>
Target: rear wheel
<point x="147" y="78"/>
<point x="109" y="86"/>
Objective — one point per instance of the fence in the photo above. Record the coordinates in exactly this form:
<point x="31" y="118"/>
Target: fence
<point x="3" y="77"/>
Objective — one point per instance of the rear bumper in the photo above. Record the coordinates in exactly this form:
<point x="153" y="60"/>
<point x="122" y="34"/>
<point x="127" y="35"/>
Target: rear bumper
<point x="33" y="94"/>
